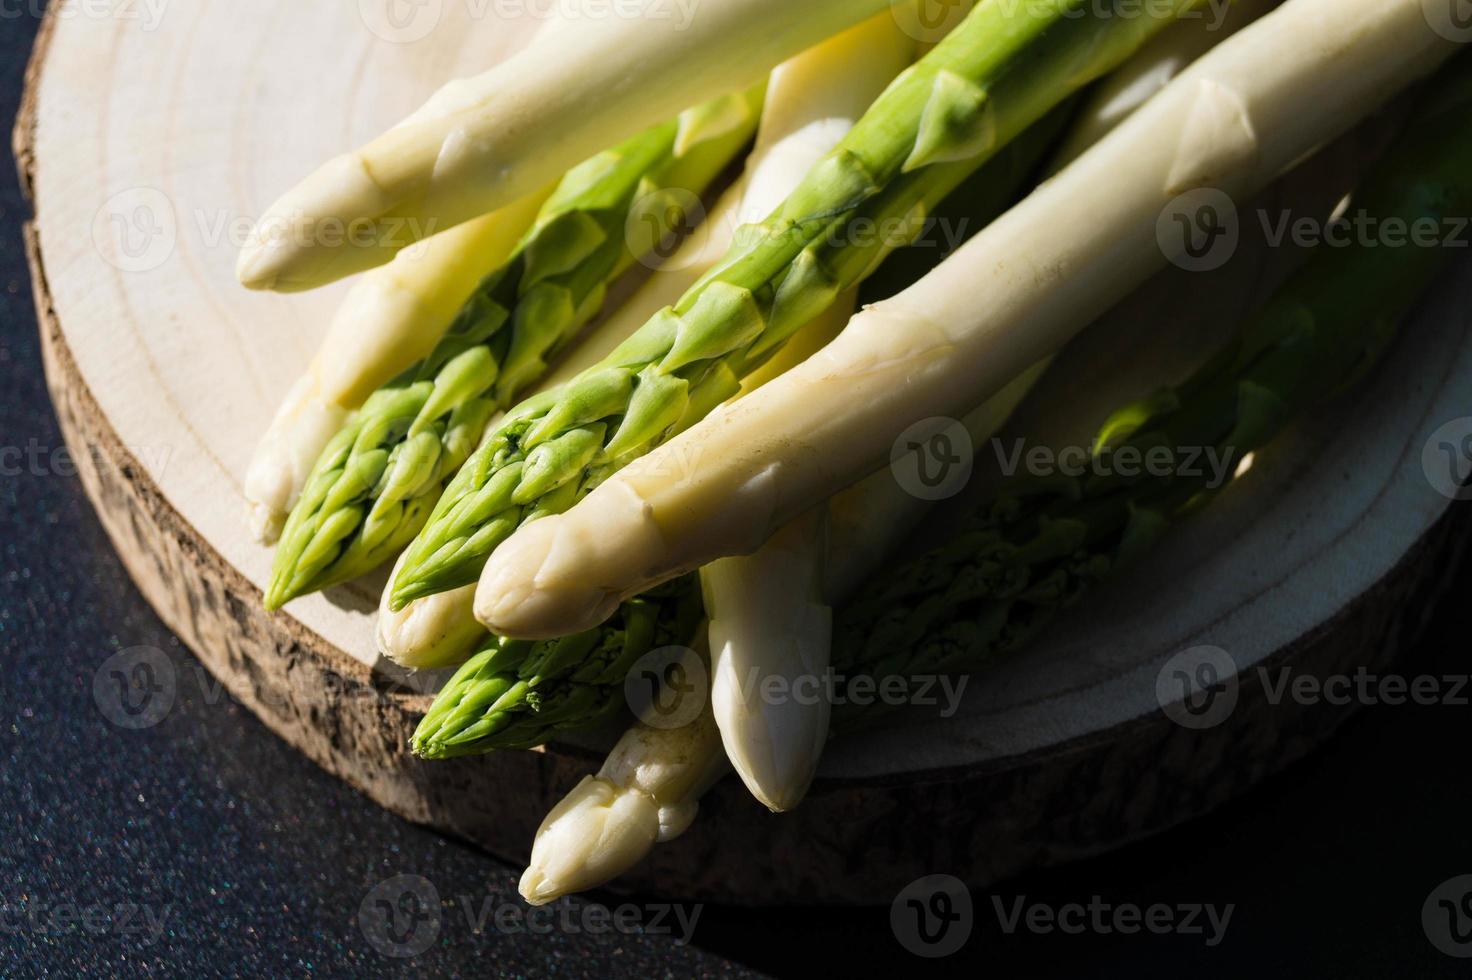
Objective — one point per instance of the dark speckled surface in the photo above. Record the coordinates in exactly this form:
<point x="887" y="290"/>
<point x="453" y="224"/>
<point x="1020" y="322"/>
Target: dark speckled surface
<point x="204" y="846"/>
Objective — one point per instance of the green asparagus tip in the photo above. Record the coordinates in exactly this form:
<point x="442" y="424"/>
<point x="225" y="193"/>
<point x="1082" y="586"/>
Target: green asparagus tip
<point x="416" y="582"/>
<point x="276" y="595"/>
<point x="432" y="751"/>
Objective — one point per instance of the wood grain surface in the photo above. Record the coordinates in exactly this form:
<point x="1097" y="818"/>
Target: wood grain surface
<point x="147" y="147"/>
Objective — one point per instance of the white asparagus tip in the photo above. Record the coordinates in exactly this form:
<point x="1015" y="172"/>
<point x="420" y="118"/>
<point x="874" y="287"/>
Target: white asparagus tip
<point x="288" y="249"/>
<point x="431" y="633"/>
<point x="595" y="834"/>
<point x="767" y="622"/>
<point x="511" y="602"/>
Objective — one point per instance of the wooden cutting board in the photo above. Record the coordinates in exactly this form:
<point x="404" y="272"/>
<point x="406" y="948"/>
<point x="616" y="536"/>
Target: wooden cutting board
<point x="147" y="145"/>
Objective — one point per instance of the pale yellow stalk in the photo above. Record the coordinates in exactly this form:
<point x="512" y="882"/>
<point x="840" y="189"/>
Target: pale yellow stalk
<point x="578" y="87"/>
<point x="768" y="619"/>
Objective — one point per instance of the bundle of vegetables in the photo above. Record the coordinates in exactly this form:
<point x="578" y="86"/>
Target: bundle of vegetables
<point x="702" y="472"/>
<point x="1025" y="554"/>
<point x="864" y="523"/>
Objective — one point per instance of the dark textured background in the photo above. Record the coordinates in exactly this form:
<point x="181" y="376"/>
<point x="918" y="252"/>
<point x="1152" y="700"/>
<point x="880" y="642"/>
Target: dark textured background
<point x="260" y="861"/>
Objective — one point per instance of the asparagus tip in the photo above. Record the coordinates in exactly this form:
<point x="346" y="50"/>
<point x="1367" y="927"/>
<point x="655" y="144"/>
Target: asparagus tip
<point x="595" y="834"/>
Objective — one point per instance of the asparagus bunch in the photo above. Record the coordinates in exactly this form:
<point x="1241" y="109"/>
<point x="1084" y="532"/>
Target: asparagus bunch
<point x="1027" y="553"/>
<point x="377" y="480"/>
<point x="1010" y="297"/>
<point x="1001" y="70"/>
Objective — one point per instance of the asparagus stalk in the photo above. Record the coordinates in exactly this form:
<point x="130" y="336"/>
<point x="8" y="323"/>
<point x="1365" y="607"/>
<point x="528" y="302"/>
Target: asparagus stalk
<point x="1025" y="555"/>
<point x="580" y="85"/>
<point x="377" y="480"/>
<point x="811" y="102"/>
<point x="432" y="633"/>
<point x="647" y="792"/>
<point x="999" y="71"/>
<point x="1235" y="119"/>
<point x="390" y="319"/>
<point x="769" y="620"/>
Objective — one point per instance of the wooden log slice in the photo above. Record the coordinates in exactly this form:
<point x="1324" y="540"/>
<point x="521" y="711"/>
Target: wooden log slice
<point x="146" y="147"/>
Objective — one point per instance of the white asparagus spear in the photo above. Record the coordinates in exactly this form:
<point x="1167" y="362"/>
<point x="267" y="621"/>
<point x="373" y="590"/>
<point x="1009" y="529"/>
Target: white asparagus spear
<point x="580" y="85"/>
<point x="1237" y="118"/>
<point x="648" y="792"/>
<point x="769" y="621"/>
<point x="390" y="318"/>
<point x="812" y="100"/>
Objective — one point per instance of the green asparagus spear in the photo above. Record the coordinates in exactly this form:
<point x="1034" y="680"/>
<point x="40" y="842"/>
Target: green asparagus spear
<point x="379" y="478"/>
<point x="519" y="694"/>
<point x="1033" y="549"/>
<point x="1000" y="71"/>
